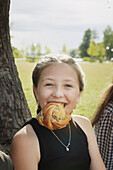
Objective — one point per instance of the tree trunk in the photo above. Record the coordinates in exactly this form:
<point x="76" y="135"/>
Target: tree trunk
<point x="14" y="109"/>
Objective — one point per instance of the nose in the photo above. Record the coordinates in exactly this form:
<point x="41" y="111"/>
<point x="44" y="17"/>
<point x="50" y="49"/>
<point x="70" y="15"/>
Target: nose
<point x="58" y="92"/>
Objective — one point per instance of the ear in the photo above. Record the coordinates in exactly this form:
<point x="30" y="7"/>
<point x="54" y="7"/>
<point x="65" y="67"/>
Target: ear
<point x="35" y="91"/>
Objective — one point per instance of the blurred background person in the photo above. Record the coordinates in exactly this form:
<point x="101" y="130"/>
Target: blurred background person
<point x="103" y="121"/>
<point x="5" y="161"/>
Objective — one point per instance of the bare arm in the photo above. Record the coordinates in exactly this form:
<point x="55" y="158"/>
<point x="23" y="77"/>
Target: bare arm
<point x="25" y="152"/>
<point x="96" y="160"/>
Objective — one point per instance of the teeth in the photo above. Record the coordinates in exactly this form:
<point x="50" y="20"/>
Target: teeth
<point x="63" y="104"/>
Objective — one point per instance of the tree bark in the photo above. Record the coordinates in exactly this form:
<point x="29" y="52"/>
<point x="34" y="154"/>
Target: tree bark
<point x="14" y="109"/>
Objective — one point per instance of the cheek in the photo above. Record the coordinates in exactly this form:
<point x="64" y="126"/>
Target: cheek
<point x="42" y="99"/>
<point x="43" y="95"/>
<point x="74" y="96"/>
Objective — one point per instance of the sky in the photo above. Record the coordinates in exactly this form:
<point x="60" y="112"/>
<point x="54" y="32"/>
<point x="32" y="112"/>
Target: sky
<point x="53" y="23"/>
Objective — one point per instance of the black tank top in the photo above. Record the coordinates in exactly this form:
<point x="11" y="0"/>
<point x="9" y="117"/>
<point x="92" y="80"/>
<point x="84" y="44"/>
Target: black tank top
<point x="54" y="155"/>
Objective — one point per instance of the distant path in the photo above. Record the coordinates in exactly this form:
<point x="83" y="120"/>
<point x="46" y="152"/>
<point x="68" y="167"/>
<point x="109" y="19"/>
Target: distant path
<point x="20" y="59"/>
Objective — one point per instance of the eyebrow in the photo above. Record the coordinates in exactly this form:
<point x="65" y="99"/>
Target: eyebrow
<point x="69" y="80"/>
<point x="47" y="79"/>
<point x="51" y="79"/>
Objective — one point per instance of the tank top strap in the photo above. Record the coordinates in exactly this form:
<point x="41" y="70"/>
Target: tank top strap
<point x="34" y="123"/>
<point x="80" y="130"/>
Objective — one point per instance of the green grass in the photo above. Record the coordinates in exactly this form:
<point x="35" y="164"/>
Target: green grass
<point x="25" y="74"/>
<point x="97" y="77"/>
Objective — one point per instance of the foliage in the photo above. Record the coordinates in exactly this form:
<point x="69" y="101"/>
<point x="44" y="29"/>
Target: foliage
<point x="47" y="50"/>
<point x="17" y="53"/>
<point x="86" y="59"/>
<point x="72" y="53"/>
<point x="107" y="50"/>
<point x="85" y="44"/>
<point x="94" y="35"/>
<point x="98" y="77"/>
<point x="101" y="51"/>
<point x="96" y="51"/>
<point x="92" y="50"/>
<point x="38" y="49"/>
<point x="107" y="35"/>
<point x="108" y="41"/>
<point x="64" y="49"/>
<point x="33" y="49"/>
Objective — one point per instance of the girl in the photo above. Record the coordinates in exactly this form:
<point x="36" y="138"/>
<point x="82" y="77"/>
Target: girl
<point x="103" y="121"/>
<point x="71" y="147"/>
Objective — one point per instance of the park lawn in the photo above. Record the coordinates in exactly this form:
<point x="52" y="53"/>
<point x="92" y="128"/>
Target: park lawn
<point x="97" y="77"/>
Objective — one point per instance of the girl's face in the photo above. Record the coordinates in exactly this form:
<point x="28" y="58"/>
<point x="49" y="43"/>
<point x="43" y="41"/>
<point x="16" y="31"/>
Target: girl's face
<point x="58" y="83"/>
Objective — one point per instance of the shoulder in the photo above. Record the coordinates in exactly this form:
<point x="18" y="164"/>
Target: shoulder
<point x="24" y="135"/>
<point x="24" y="145"/>
<point x="84" y="123"/>
<point x="81" y="120"/>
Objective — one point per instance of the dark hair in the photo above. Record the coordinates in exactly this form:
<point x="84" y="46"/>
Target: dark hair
<point x="107" y="97"/>
<point x="48" y="60"/>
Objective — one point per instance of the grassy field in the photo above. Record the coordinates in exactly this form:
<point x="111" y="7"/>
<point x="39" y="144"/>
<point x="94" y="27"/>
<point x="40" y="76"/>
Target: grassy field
<point x="97" y="77"/>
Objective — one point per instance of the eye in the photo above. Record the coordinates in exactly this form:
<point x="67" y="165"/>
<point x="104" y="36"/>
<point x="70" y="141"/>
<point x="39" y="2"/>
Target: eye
<point x="48" y="84"/>
<point x="68" y="85"/>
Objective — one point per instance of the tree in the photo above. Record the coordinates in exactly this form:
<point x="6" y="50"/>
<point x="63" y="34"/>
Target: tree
<point x="101" y="51"/>
<point x="33" y="49"/>
<point x="107" y="34"/>
<point x="94" y="34"/>
<point x="38" y="48"/>
<point x="17" y="53"/>
<point x="108" y="41"/>
<point x="64" y="49"/>
<point x="92" y="50"/>
<point x="14" y="109"/>
<point x="85" y="44"/>
<point x="72" y="53"/>
<point x="47" y="50"/>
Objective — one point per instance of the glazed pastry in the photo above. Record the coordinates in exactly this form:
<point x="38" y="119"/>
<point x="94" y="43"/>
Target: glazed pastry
<point x="54" y="116"/>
